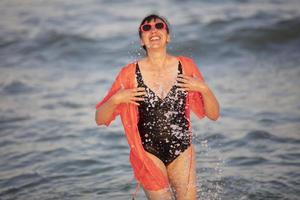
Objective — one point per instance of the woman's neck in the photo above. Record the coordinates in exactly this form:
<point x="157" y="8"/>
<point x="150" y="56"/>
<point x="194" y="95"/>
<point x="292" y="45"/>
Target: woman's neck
<point x="157" y="59"/>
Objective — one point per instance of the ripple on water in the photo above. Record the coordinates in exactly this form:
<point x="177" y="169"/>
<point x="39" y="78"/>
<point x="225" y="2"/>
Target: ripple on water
<point x="6" y="143"/>
<point x="17" y="183"/>
<point x="60" y="151"/>
<point x="246" y="161"/>
<point x="17" y="87"/>
<point x="11" y="119"/>
<point x="75" y="166"/>
<point x="259" y="140"/>
<point x="62" y="104"/>
<point x="273" y="118"/>
<point x="240" y="187"/>
<point x="264" y="135"/>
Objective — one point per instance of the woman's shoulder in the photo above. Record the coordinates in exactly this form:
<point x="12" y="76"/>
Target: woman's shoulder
<point x="127" y="70"/>
<point x="185" y="59"/>
<point x="141" y="61"/>
<point x="189" y="65"/>
<point x="187" y="62"/>
<point x="128" y="67"/>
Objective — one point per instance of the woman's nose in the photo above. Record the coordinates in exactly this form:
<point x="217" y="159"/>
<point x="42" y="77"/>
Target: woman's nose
<point x="153" y="29"/>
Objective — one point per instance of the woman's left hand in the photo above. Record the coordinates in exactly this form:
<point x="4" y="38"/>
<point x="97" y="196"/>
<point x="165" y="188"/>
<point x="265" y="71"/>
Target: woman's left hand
<point x="189" y="83"/>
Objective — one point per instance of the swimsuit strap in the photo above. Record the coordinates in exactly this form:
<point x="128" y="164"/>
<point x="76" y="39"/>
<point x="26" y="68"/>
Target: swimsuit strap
<point x="139" y="76"/>
<point x="180" y="68"/>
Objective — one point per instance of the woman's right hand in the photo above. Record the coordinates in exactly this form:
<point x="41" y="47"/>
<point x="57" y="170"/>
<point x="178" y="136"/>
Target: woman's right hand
<point x="129" y="96"/>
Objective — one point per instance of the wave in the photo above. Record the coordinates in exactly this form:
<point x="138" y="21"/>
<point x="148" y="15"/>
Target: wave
<point x="264" y="135"/>
<point x="273" y="118"/>
<point x="5" y="143"/>
<point x="6" y="120"/>
<point x="56" y="152"/>
<point x="16" y="87"/>
<point x="252" y="34"/>
<point x="77" y="167"/>
<point x="246" y="161"/>
<point x="221" y="39"/>
<point x="62" y="104"/>
<point x="258" y="141"/>
<point x="236" y="37"/>
<point x="47" y="45"/>
<point x="44" y="39"/>
<point x="294" y="156"/>
<point x="21" y="182"/>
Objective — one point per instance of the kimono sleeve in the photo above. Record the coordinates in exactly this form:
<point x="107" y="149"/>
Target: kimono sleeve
<point x="117" y="84"/>
<point x="196" y="99"/>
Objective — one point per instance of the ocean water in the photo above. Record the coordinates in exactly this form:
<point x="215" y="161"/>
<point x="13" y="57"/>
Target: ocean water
<point x="58" y="59"/>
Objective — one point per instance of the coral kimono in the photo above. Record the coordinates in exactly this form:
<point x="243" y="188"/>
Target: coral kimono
<point x="145" y="171"/>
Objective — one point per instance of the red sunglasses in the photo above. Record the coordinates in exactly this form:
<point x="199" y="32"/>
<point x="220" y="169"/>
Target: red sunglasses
<point x="149" y="26"/>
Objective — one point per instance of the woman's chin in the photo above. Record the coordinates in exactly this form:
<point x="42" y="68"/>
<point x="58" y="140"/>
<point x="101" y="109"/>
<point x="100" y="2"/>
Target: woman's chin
<point x="156" y="46"/>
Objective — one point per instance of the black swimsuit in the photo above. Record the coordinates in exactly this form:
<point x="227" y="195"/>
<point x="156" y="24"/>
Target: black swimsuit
<point x="162" y="124"/>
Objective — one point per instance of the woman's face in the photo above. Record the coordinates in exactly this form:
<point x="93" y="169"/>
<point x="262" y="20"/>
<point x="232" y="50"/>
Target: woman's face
<point x="156" y="37"/>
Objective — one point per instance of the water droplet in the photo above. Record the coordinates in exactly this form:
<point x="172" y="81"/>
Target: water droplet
<point x="177" y="152"/>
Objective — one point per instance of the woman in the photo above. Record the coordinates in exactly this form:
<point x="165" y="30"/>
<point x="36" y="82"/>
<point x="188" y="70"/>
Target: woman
<point x="154" y="97"/>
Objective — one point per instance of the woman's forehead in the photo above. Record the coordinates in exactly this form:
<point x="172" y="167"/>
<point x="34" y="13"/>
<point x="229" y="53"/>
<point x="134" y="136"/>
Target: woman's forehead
<point x="153" y="20"/>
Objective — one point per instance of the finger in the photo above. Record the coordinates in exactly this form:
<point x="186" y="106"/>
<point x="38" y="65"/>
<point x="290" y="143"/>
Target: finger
<point x="133" y="90"/>
<point x="182" y="80"/>
<point x="135" y="103"/>
<point x="183" y="89"/>
<point x="139" y="94"/>
<point x="182" y="85"/>
<point x="137" y="99"/>
<point x="180" y="89"/>
<point x="184" y="76"/>
<point x="194" y="77"/>
<point x="138" y="89"/>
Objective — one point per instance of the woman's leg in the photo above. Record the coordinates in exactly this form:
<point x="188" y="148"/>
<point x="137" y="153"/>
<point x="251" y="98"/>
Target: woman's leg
<point x="163" y="194"/>
<point x="182" y="176"/>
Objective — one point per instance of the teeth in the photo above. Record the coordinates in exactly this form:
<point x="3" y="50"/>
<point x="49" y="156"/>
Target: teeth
<point x="154" y="38"/>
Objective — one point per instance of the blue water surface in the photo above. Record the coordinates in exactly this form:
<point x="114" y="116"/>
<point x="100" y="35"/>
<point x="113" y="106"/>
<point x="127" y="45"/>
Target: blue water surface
<point x="59" y="58"/>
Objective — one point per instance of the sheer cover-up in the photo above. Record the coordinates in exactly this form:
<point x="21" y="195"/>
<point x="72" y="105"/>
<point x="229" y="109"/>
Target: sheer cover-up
<point x="145" y="170"/>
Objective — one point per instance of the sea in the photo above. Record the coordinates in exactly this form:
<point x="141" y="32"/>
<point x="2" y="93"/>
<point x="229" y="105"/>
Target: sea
<point x="58" y="59"/>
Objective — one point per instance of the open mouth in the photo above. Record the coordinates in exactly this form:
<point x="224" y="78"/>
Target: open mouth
<point x="154" y="38"/>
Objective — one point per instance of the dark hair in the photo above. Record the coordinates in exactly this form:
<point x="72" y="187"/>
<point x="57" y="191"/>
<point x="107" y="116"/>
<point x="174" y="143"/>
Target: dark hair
<point x="148" y="19"/>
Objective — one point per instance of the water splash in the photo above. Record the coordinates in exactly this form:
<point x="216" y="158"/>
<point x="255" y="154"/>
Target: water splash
<point x="209" y="170"/>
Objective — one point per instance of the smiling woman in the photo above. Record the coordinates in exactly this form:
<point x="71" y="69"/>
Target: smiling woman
<point x="158" y="24"/>
<point x="154" y="97"/>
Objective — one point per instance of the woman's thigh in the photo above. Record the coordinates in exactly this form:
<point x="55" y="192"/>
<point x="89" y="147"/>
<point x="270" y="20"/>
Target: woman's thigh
<point x="163" y="194"/>
<point x="182" y="175"/>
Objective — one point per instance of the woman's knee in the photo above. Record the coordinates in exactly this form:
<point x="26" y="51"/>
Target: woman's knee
<point x="163" y="194"/>
<point x="187" y="192"/>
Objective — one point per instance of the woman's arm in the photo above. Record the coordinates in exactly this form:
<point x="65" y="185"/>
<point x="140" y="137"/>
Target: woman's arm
<point x="105" y="112"/>
<point x="211" y="105"/>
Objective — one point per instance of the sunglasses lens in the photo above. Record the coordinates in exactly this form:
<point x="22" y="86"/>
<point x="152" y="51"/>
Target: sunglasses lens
<point x="159" y="25"/>
<point x="146" y="27"/>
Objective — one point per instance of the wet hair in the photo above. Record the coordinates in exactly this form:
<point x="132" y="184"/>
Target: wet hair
<point x="148" y="19"/>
